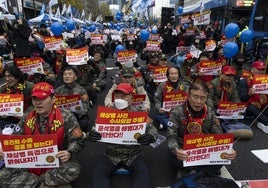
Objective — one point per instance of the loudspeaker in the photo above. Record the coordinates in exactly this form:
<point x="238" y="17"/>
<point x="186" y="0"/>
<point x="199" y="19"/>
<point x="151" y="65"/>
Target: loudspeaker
<point x="167" y="12"/>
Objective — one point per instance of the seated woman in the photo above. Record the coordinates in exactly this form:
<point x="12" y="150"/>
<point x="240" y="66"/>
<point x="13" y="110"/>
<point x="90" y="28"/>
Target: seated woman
<point x="15" y="84"/>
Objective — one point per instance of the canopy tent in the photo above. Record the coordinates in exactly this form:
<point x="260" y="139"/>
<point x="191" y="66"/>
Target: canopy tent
<point x="78" y="21"/>
<point x="8" y="16"/>
<point x="43" y="18"/>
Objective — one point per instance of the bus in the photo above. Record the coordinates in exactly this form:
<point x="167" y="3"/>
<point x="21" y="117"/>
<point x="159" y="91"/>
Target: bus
<point x="258" y="24"/>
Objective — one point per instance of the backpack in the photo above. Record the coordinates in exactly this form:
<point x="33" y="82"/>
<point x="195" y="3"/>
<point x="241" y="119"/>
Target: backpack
<point x="204" y="179"/>
<point x="240" y="130"/>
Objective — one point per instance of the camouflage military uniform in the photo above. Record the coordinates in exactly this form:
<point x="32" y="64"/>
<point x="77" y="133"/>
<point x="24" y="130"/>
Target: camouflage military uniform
<point x="71" y="89"/>
<point x="99" y="70"/>
<point x="216" y="92"/>
<point x="158" y="98"/>
<point x="66" y="173"/>
<point x="176" y="128"/>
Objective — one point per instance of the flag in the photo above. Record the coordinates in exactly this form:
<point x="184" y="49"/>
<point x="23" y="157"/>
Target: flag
<point x="69" y="11"/>
<point x="43" y="8"/>
<point x="57" y="15"/>
<point x="90" y="17"/>
<point x="63" y="9"/>
<point x="83" y="14"/>
<point x="50" y="12"/>
<point x="52" y="2"/>
<point x="3" y="5"/>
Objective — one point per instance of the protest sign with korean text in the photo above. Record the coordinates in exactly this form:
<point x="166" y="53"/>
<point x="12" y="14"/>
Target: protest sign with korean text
<point x="53" y="43"/>
<point x="70" y="102"/>
<point x="202" y="18"/>
<point x="30" y="65"/>
<point x="154" y="37"/>
<point x="210" y="45"/>
<point x="125" y="56"/>
<point x="210" y="67"/>
<point x="77" y="56"/>
<point x="171" y="99"/>
<point x="11" y="105"/>
<point x="131" y="37"/>
<point x="138" y="101"/>
<point x="30" y="151"/>
<point x="260" y="84"/>
<point x="207" y="149"/>
<point x="96" y="39"/>
<point x="120" y="126"/>
<point x="160" y="74"/>
<point x="153" y="45"/>
<point x="231" y="110"/>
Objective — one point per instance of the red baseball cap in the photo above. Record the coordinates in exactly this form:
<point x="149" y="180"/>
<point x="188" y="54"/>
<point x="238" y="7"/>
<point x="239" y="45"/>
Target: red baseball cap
<point x="259" y="65"/>
<point x="125" y="88"/>
<point x="228" y="70"/>
<point x="42" y="90"/>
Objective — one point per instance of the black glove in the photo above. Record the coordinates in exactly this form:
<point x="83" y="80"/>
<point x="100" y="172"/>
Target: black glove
<point x="145" y="139"/>
<point x="94" y="136"/>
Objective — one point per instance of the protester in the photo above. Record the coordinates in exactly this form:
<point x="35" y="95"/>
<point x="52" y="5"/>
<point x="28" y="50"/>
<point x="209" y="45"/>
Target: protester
<point x="223" y="88"/>
<point x="127" y="156"/>
<point x="70" y="87"/>
<point x="127" y="75"/>
<point x="40" y="121"/>
<point x="182" y="118"/>
<point x="174" y="83"/>
<point x="257" y="103"/>
<point x="16" y="84"/>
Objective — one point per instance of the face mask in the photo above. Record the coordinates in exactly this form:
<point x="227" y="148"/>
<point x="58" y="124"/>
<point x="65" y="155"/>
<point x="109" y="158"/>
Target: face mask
<point x="120" y="104"/>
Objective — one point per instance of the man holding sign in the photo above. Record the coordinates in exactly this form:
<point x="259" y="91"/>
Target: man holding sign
<point x="125" y="154"/>
<point x="195" y="118"/>
<point x="46" y="119"/>
<point x="257" y="101"/>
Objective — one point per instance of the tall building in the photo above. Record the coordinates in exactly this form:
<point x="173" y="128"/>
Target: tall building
<point x="158" y="7"/>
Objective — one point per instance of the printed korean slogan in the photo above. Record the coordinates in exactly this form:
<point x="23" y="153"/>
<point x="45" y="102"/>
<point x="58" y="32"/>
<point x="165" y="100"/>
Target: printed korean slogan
<point x="207" y="149"/>
<point x="119" y="126"/>
<point x="30" y="151"/>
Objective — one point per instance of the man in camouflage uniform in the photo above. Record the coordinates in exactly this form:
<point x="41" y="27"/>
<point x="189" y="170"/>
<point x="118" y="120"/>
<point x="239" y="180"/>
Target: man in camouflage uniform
<point x="192" y="117"/>
<point x="127" y="156"/>
<point x="223" y="88"/>
<point x="69" y="141"/>
<point x="70" y="87"/>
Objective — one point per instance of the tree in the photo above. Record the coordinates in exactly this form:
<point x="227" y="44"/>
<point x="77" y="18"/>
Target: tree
<point x="105" y="10"/>
<point x="93" y="8"/>
<point x="78" y="4"/>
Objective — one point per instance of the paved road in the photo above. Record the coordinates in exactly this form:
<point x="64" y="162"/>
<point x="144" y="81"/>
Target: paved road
<point x="245" y="167"/>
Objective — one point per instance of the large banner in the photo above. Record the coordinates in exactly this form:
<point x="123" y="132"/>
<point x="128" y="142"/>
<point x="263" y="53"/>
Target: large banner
<point x="30" y="65"/>
<point x="11" y="104"/>
<point x="207" y="149"/>
<point x="202" y="18"/>
<point x="30" y="151"/>
<point x="231" y="110"/>
<point x="77" y="56"/>
<point x="119" y="126"/>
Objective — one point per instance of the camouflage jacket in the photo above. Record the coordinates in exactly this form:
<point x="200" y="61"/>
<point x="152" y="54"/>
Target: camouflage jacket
<point x="177" y="128"/>
<point x="127" y="153"/>
<point x="216" y="92"/>
<point x="73" y="141"/>
<point x="158" y="96"/>
<point x="75" y="88"/>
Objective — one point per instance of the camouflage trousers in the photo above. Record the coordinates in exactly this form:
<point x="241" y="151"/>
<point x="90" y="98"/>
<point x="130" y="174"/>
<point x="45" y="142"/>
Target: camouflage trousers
<point x="21" y="178"/>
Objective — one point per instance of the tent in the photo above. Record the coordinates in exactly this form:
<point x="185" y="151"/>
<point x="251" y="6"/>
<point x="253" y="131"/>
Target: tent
<point x="8" y="16"/>
<point x="42" y="18"/>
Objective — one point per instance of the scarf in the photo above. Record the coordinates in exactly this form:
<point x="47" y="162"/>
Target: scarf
<point x="53" y="125"/>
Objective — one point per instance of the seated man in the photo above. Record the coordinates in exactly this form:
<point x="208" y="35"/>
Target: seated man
<point x="181" y="123"/>
<point x="257" y="106"/>
<point x="70" y="87"/>
<point x="127" y="156"/>
<point x="127" y="75"/>
<point x="40" y="121"/>
<point x="223" y="88"/>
